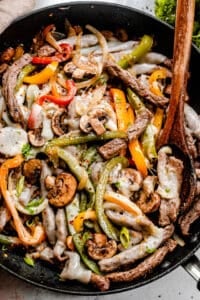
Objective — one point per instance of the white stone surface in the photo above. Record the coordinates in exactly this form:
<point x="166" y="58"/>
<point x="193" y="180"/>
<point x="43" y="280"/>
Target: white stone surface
<point x="176" y="285"/>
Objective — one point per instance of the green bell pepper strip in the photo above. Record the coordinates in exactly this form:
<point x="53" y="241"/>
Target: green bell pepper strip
<point x="137" y="53"/>
<point x="88" y="157"/>
<point x="135" y="102"/>
<point x="124" y="237"/>
<point x="9" y="240"/>
<point x="83" y="201"/>
<point x="77" y="170"/>
<point x="148" y="141"/>
<point x="105" y="224"/>
<point x="24" y="72"/>
<point x="72" y="210"/>
<point x="79" y="242"/>
<point x="75" y="139"/>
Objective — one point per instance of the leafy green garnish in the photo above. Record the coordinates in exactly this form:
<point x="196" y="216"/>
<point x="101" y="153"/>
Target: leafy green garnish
<point x="26" y="150"/>
<point x="166" y="11"/>
<point x="29" y="261"/>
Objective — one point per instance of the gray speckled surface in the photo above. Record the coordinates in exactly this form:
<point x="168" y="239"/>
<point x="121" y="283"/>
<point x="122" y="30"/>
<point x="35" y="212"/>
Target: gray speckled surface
<point x="176" y="285"/>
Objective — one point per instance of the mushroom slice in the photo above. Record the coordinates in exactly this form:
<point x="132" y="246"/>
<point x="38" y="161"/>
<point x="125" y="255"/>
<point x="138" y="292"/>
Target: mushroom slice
<point x="100" y="248"/>
<point x="58" y="121"/>
<point x="35" y="138"/>
<point x="63" y="191"/>
<point x="32" y="170"/>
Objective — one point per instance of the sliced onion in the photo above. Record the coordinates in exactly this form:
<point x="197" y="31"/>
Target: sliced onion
<point x="34" y="210"/>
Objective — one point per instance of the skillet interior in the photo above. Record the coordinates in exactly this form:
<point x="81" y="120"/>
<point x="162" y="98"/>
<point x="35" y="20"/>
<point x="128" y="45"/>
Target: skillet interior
<point x="103" y="16"/>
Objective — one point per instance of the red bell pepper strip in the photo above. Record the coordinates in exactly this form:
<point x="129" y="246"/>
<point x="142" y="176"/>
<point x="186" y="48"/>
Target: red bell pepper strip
<point x="59" y="56"/>
<point x="61" y="100"/>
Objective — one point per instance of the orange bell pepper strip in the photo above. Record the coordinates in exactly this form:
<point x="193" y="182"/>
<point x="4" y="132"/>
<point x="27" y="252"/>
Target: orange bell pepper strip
<point x="43" y="76"/>
<point x="138" y="157"/>
<point x="135" y="149"/>
<point x="38" y="234"/>
<point x="81" y="217"/>
<point x="120" y="105"/>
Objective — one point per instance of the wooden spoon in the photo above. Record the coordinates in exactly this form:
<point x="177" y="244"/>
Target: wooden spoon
<point x="174" y="132"/>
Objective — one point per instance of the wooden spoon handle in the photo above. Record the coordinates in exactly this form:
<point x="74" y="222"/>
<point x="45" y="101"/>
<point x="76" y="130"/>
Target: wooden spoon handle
<point x="182" y="45"/>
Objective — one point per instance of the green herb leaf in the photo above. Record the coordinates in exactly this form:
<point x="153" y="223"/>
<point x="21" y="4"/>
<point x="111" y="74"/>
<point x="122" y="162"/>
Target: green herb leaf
<point x="26" y="150"/>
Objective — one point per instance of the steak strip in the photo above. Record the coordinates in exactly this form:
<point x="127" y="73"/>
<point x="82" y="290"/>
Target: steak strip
<point x="146" y="266"/>
<point x="190" y="217"/>
<point x="112" y="148"/>
<point x="132" y="82"/>
<point x="140" y="124"/>
<point x="9" y="83"/>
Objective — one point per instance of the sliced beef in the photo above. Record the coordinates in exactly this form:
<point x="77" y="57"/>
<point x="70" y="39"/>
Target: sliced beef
<point x="190" y="217"/>
<point x="146" y="266"/>
<point x="9" y="83"/>
<point x="170" y="171"/>
<point x="190" y="143"/>
<point x="112" y="148"/>
<point x="4" y="217"/>
<point x="140" y="124"/>
<point x="131" y="81"/>
<point x="137" y="252"/>
<point x="3" y="68"/>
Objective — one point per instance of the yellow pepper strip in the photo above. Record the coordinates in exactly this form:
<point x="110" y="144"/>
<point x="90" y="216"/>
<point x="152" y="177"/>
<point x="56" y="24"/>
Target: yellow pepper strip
<point x="81" y="217"/>
<point x="153" y="81"/>
<point x="123" y="202"/>
<point x="44" y="75"/>
<point x="120" y="105"/>
<point x="38" y="233"/>
<point x="158" y="119"/>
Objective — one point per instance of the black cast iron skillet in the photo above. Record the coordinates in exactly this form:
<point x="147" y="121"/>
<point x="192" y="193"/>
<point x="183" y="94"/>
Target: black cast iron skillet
<point x="137" y="23"/>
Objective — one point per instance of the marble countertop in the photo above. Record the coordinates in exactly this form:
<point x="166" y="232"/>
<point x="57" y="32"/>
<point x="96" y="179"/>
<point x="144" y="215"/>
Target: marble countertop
<point x="176" y="285"/>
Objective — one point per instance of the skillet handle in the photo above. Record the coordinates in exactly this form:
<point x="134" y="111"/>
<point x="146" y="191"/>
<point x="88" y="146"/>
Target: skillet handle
<point x="192" y="266"/>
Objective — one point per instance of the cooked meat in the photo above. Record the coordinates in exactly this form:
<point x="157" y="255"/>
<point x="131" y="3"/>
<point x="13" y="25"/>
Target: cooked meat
<point x="140" y="124"/>
<point x="148" y="204"/>
<point x="49" y="223"/>
<point x="46" y="50"/>
<point x="131" y="81"/>
<point x="47" y="254"/>
<point x="9" y="83"/>
<point x="137" y="252"/>
<point x="112" y="148"/>
<point x="170" y="171"/>
<point x="192" y="120"/>
<point x="7" y="55"/>
<point x="99" y="281"/>
<point x="168" y="210"/>
<point x="4" y="217"/>
<point x="61" y="234"/>
<point x="146" y="266"/>
<point x="3" y="68"/>
<point x="190" y="143"/>
<point x="190" y="217"/>
<point x="32" y="170"/>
